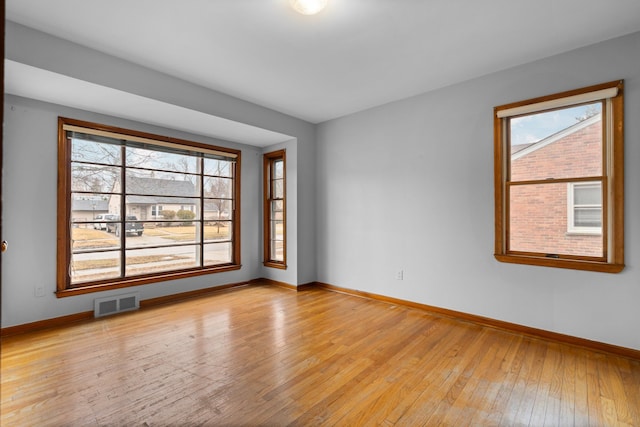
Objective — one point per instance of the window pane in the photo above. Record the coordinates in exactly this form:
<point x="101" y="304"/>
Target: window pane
<point x="87" y="208"/>
<point x="155" y="158"/>
<point x="86" y="238"/>
<point x="277" y="210"/>
<point x="277" y="250"/>
<point x="162" y="234"/>
<point x="215" y="209"/>
<point x="179" y="163"/>
<point x="165" y="185"/>
<point x="152" y="260"/>
<point x="216" y="167"/>
<point x="588" y="217"/>
<point x="278" y="189"/>
<point x="564" y="143"/>
<point x="217" y="230"/>
<point x="95" y="152"/>
<point x="218" y="187"/>
<point x="538" y="222"/>
<point x="277" y="230"/>
<point x="90" y="266"/>
<point x="184" y="209"/>
<point x="278" y="169"/>
<point x="589" y="194"/>
<point x="158" y="157"/>
<point x="96" y="178"/>
<point x="217" y="253"/>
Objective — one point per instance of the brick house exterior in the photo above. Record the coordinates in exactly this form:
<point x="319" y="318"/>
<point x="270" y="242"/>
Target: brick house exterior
<point x="540" y="214"/>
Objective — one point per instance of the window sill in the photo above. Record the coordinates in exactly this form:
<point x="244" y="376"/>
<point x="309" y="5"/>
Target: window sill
<point x="602" y="267"/>
<point x="583" y="233"/>
<point x="273" y="264"/>
<point x="137" y="281"/>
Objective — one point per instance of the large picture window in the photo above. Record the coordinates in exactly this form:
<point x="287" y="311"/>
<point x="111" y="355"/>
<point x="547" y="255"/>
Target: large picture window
<point x="559" y="181"/>
<point x="136" y="208"/>
<point x="274" y="189"/>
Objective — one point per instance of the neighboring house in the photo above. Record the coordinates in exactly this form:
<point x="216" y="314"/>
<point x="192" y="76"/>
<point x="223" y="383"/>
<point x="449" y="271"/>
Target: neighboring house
<point x="87" y="209"/>
<point x="556" y="219"/>
<point x="150" y="196"/>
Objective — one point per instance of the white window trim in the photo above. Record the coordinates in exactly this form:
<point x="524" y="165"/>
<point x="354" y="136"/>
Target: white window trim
<point x="571" y="227"/>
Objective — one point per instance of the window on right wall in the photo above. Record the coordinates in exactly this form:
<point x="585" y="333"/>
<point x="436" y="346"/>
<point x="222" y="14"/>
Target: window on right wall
<point x="559" y="181"/>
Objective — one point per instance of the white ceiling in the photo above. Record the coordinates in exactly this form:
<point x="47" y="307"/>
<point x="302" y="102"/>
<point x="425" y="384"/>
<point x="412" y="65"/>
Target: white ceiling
<point x="354" y="55"/>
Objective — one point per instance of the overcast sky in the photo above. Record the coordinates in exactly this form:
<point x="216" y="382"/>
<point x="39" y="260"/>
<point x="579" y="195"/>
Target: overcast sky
<point x="533" y="128"/>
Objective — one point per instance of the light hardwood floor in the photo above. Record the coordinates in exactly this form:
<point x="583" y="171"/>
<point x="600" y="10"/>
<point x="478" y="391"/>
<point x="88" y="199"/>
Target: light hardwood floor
<point x="261" y="355"/>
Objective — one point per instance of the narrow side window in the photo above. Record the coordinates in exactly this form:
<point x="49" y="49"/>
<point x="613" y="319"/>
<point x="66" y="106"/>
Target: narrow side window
<point x="275" y="217"/>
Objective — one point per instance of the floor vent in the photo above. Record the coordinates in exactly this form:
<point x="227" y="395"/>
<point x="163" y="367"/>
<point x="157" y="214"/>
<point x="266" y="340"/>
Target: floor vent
<point x="116" y="304"/>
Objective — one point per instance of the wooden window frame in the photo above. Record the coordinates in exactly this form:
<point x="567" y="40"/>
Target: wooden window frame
<point x="613" y="181"/>
<point x="64" y="286"/>
<point x="269" y="160"/>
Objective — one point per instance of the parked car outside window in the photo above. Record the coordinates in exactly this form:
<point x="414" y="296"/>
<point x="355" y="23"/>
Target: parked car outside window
<point x="103" y="217"/>
<point x="129" y="227"/>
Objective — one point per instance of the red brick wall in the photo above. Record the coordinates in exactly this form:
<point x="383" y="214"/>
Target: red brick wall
<point x="538" y="213"/>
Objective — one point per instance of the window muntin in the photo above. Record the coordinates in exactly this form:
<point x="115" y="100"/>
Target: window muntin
<point x="274" y="209"/>
<point x="559" y="192"/>
<point x="163" y="224"/>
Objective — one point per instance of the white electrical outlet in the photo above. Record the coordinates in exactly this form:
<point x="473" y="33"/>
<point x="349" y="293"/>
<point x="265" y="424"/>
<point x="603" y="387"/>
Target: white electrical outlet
<point x="400" y="275"/>
<point x="39" y="291"/>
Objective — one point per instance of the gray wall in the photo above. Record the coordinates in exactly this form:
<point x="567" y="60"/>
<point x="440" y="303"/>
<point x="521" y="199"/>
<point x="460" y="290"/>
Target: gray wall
<point x="409" y="185"/>
<point x="30" y="200"/>
<point x="41" y="50"/>
<point x="29" y="182"/>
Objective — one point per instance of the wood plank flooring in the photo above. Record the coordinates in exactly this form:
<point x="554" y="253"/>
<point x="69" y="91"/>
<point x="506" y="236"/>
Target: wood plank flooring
<point x="261" y="355"/>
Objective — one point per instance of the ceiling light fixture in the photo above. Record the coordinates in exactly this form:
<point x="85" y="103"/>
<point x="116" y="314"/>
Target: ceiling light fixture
<point x="308" y="7"/>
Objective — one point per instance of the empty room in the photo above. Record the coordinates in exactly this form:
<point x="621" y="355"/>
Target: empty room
<point x="320" y="212"/>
